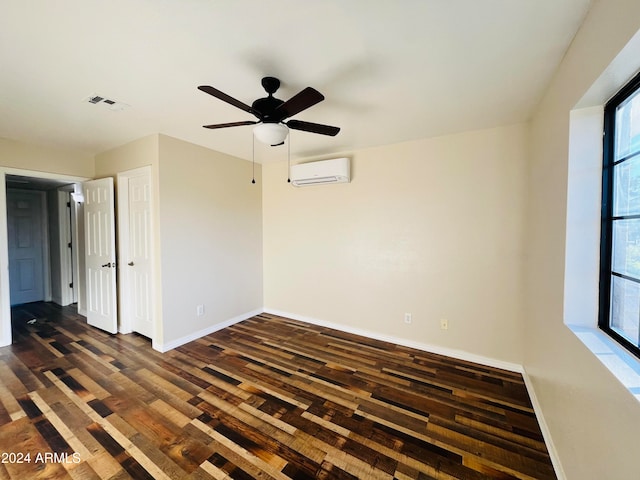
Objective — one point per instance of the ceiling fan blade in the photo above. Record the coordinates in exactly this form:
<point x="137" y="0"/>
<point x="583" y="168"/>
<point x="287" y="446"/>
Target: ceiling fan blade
<point x="226" y="98"/>
<point x="313" y="127"/>
<point x="299" y="102"/>
<point x="232" y="124"/>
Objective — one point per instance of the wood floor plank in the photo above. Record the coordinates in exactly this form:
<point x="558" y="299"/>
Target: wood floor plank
<point x="10" y="390"/>
<point x="267" y="398"/>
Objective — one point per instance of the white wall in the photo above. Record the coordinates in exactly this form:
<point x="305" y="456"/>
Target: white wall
<point x="593" y="419"/>
<point x="584" y="199"/>
<point x="432" y="228"/>
<point x="211" y="239"/>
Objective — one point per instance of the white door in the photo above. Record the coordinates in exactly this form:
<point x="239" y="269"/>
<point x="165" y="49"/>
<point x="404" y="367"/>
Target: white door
<point x="100" y="254"/>
<point x="26" y="251"/>
<point x="134" y="211"/>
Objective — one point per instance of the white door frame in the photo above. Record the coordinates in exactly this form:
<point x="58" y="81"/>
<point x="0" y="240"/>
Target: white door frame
<point x="122" y="217"/>
<point x="68" y="264"/>
<point x="5" y="299"/>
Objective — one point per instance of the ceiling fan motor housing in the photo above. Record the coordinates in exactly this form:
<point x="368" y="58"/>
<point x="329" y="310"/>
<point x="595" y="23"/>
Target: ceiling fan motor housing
<point x="270" y="84"/>
<point x="266" y="107"/>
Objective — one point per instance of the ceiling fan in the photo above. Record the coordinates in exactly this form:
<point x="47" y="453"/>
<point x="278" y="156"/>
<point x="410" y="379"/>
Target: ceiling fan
<point x="272" y="112"/>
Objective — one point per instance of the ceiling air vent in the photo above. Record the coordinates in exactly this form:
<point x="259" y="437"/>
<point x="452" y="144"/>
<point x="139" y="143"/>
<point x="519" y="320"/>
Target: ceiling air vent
<point x="112" y="104"/>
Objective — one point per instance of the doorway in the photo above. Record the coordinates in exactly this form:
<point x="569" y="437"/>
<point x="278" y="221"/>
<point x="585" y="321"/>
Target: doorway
<point x="36" y="218"/>
<point x="42" y="240"/>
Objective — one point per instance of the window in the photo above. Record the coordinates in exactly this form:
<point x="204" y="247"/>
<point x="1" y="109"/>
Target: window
<point x="619" y="314"/>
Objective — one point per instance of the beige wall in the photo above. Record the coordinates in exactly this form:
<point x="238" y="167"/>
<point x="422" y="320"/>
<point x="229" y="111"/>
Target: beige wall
<point x="211" y="236"/>
<point x="26" y="156"/>
<point x="593" y="419"/>
<point x="139" y="153"/>
<point x="432" y="228"/>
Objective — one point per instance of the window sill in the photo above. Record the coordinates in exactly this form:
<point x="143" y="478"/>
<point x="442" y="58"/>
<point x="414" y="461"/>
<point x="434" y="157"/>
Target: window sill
<point x="624" y="366"/>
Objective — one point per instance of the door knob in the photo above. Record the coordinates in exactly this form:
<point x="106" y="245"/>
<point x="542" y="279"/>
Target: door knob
<point x="130" y="264"/>
<point x="107" y="264"/>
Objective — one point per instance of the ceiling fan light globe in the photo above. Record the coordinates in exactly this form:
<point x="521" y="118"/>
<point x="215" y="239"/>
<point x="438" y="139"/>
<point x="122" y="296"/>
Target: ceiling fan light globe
<point x="271" y="133"/>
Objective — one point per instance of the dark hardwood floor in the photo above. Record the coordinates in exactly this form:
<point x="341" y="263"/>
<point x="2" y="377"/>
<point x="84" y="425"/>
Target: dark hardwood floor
<point x="266" y="398"/>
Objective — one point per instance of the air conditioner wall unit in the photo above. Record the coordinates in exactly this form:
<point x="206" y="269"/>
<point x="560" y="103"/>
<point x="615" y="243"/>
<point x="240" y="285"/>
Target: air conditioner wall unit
<point x="335" y="170"/>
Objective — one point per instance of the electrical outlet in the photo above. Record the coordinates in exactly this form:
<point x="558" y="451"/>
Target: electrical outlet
<point x="407" y="318"/>
<point x="444" y="324"/>
<point x="200" y="310"/>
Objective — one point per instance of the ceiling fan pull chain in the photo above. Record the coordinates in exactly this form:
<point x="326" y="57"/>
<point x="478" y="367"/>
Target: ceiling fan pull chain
<point x="289" y="159"/>
<point x="253" y="158"/>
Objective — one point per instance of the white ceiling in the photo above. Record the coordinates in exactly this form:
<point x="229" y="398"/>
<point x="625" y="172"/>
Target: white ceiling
<point x="391" y="70"/>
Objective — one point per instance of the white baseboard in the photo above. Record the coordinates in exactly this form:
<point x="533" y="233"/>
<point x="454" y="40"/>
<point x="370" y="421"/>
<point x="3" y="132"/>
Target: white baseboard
<point x="165" y="347"/>
<point x="553" y="453"/>
<point x="449" y="352"/>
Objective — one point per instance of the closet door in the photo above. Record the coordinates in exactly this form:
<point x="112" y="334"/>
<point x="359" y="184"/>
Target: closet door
<point x="100" y="254"/>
